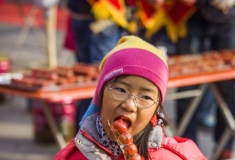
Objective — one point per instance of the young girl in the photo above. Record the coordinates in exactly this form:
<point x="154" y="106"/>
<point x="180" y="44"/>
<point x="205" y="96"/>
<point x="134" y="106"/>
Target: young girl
<point x="128" y="99"/>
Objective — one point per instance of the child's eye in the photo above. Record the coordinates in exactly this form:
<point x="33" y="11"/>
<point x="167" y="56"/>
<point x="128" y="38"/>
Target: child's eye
<point x="146" y="97"/>
<point x="119" y="89"/>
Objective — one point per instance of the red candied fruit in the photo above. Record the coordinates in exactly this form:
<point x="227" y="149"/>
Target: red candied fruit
<point x="136" y="157"/>
<point x="120" y="126"/>
<point x="130" y="149"/>
<point x="125" y="138"/>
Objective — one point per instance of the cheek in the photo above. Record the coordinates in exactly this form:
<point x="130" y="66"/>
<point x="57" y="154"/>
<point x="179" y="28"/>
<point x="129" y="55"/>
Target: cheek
<point x="142" y="119"/>
<point x="107" y="112"/>
<point x="108" y="104"/>
<point x="108" y="107"/>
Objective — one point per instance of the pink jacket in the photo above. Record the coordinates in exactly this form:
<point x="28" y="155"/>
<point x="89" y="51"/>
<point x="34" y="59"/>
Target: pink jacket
<point x="85" y="146"/>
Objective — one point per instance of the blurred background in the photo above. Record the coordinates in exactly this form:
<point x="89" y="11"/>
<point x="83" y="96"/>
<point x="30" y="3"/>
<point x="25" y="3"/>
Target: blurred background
<point x="24" y="44"/>
<point x="23" y="41"/>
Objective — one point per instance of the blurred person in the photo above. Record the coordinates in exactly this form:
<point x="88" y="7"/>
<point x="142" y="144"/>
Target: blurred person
<point x="162" y="23"/>
<point x="86" y="39"/>
<point x="121" y="127"/>
<point x="212" y="27"/>
<point x="97" y="26"/>
<point x="79" y="27"/>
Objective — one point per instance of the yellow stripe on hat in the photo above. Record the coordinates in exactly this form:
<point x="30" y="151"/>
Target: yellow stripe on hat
<point x="134" y="42"/>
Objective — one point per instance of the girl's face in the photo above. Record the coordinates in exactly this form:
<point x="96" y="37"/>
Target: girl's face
<point x="112" y="108"/>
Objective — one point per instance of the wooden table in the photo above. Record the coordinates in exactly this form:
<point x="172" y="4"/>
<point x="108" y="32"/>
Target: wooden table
<point x="87" y="91"/>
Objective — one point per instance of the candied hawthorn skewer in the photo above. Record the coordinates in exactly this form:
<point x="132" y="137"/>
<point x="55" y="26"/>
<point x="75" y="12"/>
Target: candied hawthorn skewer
<point x="124" y="139"/>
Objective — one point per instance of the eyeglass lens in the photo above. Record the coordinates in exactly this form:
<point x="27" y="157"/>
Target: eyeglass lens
<point x="122" y="95"/>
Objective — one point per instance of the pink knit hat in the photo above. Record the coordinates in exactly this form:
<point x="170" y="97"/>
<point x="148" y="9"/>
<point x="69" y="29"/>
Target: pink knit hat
<point x="133" y="56"/>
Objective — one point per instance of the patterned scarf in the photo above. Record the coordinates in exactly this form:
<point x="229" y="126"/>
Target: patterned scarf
<point x="111" y="146"/>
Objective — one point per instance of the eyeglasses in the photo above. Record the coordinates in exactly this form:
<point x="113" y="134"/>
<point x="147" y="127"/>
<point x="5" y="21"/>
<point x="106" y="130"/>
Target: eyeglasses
<point x="121" y="94"/>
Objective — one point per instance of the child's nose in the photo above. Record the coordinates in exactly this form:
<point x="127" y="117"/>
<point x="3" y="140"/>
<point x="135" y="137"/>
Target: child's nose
<point x="130" y="104"/>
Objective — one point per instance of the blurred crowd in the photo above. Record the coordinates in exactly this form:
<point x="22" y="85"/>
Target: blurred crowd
<point x="177" y="26"/>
